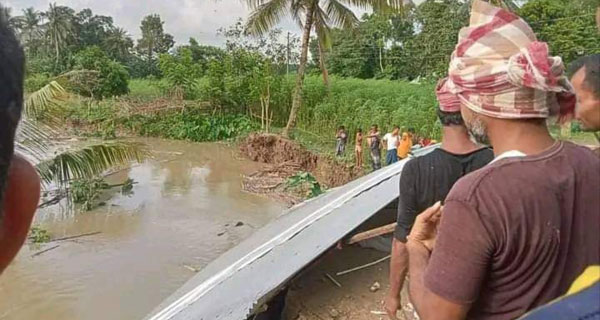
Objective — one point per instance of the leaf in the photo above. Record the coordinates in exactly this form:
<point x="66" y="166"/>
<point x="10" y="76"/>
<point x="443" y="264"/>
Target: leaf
<point x="90" y="161"/>
<point x="44" y="100"/>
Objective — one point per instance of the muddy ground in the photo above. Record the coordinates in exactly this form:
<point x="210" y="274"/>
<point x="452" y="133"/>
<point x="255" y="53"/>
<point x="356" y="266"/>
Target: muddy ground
<point x="314" y="296"/>
<point x="285" y="158"/>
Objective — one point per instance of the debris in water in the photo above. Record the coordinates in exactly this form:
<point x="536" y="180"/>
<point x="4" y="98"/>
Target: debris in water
<point x="376" y="286"/>
<point x="239" y="224"/>
<point x="45" y="250"/>
<point x="192" y="269"/>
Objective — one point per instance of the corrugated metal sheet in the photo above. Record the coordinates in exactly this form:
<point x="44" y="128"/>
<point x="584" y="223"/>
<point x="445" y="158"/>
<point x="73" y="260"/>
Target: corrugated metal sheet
<point x="238" y="281"/>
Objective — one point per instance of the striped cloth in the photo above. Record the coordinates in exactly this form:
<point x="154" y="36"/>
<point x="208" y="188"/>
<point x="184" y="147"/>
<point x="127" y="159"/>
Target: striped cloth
<point x="499" y="69"/>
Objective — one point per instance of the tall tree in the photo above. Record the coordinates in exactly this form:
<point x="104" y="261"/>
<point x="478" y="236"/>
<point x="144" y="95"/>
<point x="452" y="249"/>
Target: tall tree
<point x="30" y="29"/>
<point x="154" y="40"/>
<point x="309" y="14"/>
<point x="59" y="28"/>
<point x="92" y="29"/>
<point x="567" y="26"/>
<point x="117" y="44"/>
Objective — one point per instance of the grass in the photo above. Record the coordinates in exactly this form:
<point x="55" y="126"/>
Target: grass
<point x="144" y="89"/>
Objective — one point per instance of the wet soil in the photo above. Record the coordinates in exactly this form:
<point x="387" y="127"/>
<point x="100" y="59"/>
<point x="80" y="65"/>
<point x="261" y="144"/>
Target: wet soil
<point x="286" y="158"/>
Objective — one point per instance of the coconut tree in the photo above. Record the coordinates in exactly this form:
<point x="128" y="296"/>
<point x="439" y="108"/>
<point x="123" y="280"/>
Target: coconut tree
<point x="59" y="28"/>
<point x="30" y="26"/>
<point x="118" y="43"/>
<point x="317" y="15"/>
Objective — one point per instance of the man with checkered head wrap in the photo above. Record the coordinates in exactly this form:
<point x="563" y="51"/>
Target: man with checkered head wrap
<point x="515" y="234"/>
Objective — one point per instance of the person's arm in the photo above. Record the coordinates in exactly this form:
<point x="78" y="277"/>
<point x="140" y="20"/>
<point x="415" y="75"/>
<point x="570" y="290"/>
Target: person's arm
<point x="446" y="278"/>
<point x="407" y="212"/>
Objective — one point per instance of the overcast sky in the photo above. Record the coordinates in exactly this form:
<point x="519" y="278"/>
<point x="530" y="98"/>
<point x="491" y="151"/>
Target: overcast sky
<point x="183" y="18"/>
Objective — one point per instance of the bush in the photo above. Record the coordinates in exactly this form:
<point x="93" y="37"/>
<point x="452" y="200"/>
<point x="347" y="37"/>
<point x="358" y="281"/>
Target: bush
<point x="191" y="124"/>
<point x="180" y="73"/>
<point x="357" y="103"/>
<point x="113" y="77"/>
<point x="36" y="81"/>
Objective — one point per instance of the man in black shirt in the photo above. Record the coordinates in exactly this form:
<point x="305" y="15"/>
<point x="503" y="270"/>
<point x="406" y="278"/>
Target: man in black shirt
<point x="426" y="180"/>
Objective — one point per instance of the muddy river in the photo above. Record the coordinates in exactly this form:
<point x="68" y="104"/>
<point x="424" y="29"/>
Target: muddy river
<point x="186" y="209"/>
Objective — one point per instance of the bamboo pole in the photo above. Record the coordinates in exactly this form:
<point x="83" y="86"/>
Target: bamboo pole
<point x="388" y="228"/>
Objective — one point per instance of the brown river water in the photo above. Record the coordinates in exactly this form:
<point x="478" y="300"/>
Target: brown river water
<point x="182" y="215"/>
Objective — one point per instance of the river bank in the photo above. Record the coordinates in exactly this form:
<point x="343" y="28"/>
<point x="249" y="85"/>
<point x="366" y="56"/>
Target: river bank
<point x="286" y="158"/>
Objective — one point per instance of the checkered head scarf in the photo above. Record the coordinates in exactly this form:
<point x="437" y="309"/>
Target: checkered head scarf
<point x="499" y="69"/>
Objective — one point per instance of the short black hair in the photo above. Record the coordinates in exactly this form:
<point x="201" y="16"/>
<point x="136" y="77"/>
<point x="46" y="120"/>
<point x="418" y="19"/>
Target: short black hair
<point x="359" y="130"/>
<point x="591" y="64"/>
<point x="12" y="64"/>
<point x="450" y="118"/>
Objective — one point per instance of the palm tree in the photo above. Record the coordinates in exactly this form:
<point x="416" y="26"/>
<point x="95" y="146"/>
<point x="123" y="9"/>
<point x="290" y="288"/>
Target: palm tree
<point x="319" y="15"/>
<point x="30" y="27"/>
<point x="59" y="28"/>
<point x="118" y="43"/>
<point x="59" y="164"/>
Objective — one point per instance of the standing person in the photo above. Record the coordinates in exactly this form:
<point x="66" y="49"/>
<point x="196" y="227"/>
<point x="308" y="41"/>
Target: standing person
<point x="19" y="182"/>
<point x="358" y="148"/>
<point x="585" y="78"/>
<point x="515" y="234"/>
<point x="390" y="141"/>
<point x="405" y="145"/>
<point x="426" y="180"/>
<point x="341" y="138"/>
<point x="374" y="142"/>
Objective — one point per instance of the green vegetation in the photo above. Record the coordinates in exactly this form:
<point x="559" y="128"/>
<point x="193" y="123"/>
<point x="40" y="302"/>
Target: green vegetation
<point x="86" y="192"/>
<point x="191" y="124"/>
<point x="39" y="235"/>
<point x="88" y="75"/>
<point x="305" y="183"/>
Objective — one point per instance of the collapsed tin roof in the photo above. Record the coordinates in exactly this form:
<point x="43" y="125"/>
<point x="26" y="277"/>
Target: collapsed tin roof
<point x="249" y="274"/>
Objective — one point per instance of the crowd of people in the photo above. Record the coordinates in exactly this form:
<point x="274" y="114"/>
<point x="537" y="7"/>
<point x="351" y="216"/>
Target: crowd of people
<point x="397" y="145"/>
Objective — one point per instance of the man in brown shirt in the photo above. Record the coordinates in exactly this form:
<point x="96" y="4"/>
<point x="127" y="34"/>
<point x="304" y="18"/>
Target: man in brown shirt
<point x="516" y="233"/>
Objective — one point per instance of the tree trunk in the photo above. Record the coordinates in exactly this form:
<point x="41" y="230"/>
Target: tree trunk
<point x="297" y="97"/>
<point x="381" y="58"/>
<point x="323" y="66"/>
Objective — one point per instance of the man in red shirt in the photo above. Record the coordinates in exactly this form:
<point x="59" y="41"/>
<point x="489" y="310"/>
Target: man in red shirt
<point x="19" y="182"/>
<point x="515" y="234"/>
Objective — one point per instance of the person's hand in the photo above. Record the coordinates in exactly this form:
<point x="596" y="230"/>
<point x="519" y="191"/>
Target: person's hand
<point x="391" y="305"/>
<point x="424" y="229"/>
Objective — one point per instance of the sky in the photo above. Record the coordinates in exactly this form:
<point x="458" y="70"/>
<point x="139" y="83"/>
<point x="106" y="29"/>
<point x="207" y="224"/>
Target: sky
<point x="183" y="18"/>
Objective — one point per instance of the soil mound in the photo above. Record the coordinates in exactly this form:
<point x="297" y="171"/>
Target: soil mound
<point x="274" y="149"/>
<point x="286" y="158"/>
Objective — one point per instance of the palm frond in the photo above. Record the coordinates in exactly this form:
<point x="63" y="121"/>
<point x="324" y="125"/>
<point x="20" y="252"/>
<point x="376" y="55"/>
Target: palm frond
<point x="266" y="15"/>
<point x="340" y="15"/>
<point x="35" y="140"/>
<point x="90" y="161"/>
<point x="322" y="28"/>
<point x="297" y="11"/>
<point x="379" y="6"/>
<point x="39" y="102"/>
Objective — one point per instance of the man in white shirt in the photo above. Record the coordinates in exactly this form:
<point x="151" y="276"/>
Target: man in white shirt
<point x="390" y="141"/>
